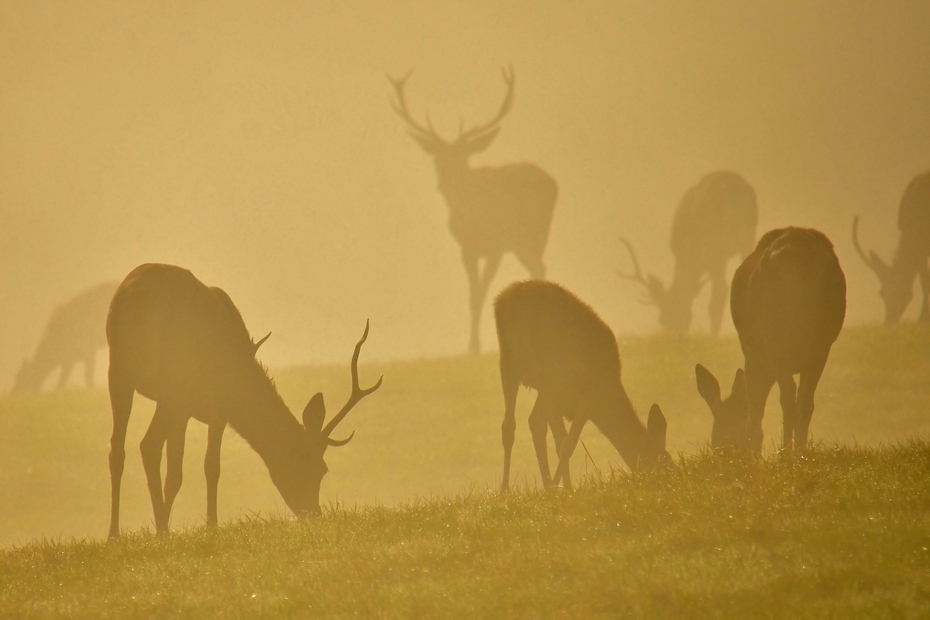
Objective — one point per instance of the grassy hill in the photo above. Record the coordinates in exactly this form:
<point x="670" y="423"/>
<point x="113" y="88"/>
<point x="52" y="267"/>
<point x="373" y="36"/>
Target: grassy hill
<point x="433" y="430"/>
<point x="839" y="533"/>
<point x="414" y="518"/>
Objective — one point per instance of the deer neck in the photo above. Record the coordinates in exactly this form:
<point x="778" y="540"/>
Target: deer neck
<point x="910" y="256"/>
<point x="618" y="422"/>
<point x="453" y="177"/>
<point x="258" y="414"/>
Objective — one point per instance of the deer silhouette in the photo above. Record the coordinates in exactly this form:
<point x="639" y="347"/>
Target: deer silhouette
<point x="555" y="343"/>
<point x="74" y="334"/>
<point x="910" y="258"/>
<point x="185" y="346"/>
<point x="788" y="302"/>
<point x="715" y="220"/>
<point x="492" y="209"/>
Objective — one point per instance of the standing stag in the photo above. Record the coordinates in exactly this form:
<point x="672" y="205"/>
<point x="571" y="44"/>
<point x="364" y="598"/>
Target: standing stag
<point x="910" y="259"/>
<point x="715" y="221"/>
<point x="555" y="343"/>
<point x="185" y="346"/>
<point x="74" y="334"/>
<point x="788" y="303"/>
<point x="492" y="209"/>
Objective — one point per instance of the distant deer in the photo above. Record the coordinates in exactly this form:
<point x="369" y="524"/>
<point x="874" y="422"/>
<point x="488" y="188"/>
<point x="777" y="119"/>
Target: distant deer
<point x="185" y="346"/>
<point x="492" y="210"/>
<point x="788" y="303"/>
<point x="715" y="221"/>
<point x="553" y="342"/>
<point x="74" y="334"/>
<point x="910" y="259"/>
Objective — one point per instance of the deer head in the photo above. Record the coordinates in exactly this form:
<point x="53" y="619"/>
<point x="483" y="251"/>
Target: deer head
<point x="453" y="155"/>
<point x="673" y="303"/>
<point x="897" y="285"/>
<point x="731" y="415"/>
<point x="299" y="482"/>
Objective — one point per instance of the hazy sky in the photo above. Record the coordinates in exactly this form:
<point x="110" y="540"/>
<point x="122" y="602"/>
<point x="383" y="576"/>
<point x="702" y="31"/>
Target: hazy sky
<point x="254" y="143"/>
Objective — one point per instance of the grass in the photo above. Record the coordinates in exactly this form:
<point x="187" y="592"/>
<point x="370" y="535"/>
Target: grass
<point x="414" y="525"/>
<point x="825" y="535"/>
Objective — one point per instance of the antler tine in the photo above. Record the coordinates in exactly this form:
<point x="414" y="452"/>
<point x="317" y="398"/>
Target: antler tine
<point x="867" y="260"/>
<point x="505" y="108"/>
<point x="400" y="106"/>
<point x="637" y="274"/>
<point x="357" y="394"/>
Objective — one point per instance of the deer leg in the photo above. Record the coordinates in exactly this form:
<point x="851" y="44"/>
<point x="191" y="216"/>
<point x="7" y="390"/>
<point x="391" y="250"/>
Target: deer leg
<point x="509" y="425"/>
<point x="718" y="298"/>
<point x="89" y="365"/>
<point x="533" y="263"/>
<point x="758" y="385"/>
<point x="480" y="293"/>
<point x="151" y="447"/>
<point x="174" y="473"/>
<point x="568" y="448"/>
<point x="65" y="373"/>
<point x="925" y="292"/>
<point x="807" y="387"/>
<point x="121" y="393"/>
<point x="539" y="420"/>
<point x="471" y="272"/>
<point x="211" y="468"/>
<point x="557" y="426"/>
<point x="788" y="395"/>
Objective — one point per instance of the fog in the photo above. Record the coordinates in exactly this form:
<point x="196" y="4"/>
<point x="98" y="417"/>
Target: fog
<point x="255" y="144"/>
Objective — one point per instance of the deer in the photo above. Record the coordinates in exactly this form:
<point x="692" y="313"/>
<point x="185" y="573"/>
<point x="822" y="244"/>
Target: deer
<point x="74" y="334"/>
<point x="788" y="302"/>
<point x="553" y="342"/>
<point x="715" y="220"/>
<point x="910" y="257"/>
<point x="492" y="209"/>
<point x="185" y="346"/>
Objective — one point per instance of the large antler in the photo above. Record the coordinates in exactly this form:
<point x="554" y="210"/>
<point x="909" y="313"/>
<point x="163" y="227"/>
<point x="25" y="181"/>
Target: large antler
<point x="637" y="274"/>
<point x="357" y="394"/>
<point x="476" y="131"/>
<point x="874" y="262"/>
<point x="400" y="106"/>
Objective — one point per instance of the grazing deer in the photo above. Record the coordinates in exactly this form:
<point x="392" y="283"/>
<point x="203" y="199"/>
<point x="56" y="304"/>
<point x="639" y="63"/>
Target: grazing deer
<point x="185" y="346"/>
<point x="788" y="303"/>
<point x="73" y="335"/>
<point x="910" y="259"/>
<point x="715" y="221"/>
<point x="492" y="210"/>
<point x="556" y="344"/>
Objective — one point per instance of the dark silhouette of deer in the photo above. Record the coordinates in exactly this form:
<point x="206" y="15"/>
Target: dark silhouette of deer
<point x="788" y="302"/>
<point x="553" y="342"/>
<point x="910" y="258"/>
<point x="74" y="334"/>
<point x="715" y="221"/>
<point x="185" y="346"/>
<point x="492" y="209"/>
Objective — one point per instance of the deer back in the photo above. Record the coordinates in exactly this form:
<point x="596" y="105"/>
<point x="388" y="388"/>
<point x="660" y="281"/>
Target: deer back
<point x="788" y="298"/>
<point x="914" y="218"/>
<point x="715" y="219"/>
<point x="552" y="341"/>
<point x="178" y="339"/>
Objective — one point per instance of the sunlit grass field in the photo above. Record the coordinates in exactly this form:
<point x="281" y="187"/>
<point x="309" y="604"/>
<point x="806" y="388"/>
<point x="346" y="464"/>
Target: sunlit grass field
<point x="414" y="524"/>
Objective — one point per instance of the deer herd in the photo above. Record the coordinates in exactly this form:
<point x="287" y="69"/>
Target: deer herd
<point x="185" y="346"/>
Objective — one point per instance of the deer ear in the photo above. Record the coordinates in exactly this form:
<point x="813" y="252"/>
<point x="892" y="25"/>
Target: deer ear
<point x="656" y="426"/>
<point x="708" y="386"/>
<point x="482" y="142"/>
<point x="314" y="414"/>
